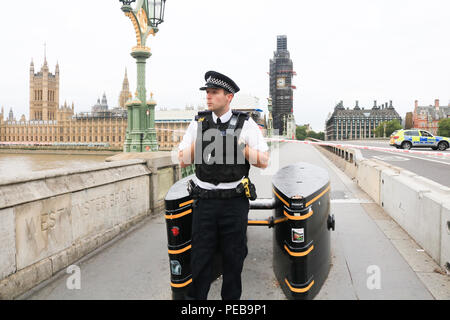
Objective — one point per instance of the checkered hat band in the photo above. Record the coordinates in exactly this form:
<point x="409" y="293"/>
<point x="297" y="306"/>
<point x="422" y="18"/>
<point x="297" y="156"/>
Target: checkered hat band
<point x="220" y="83"/>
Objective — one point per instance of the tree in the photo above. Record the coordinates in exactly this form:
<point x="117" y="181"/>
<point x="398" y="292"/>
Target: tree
<point x="379" y="131"/>
<point x="391" y="126"/>
<point x="300" y="132"/>
<point x="444" y="127"/>
<point x="316" y="135"/>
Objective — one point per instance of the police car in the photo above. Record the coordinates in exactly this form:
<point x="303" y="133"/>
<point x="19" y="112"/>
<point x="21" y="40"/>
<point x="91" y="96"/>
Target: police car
<point x="416" y="138"/>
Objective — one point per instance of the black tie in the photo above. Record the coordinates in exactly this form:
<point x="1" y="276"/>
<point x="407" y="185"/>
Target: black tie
<point x="220" y="126"/>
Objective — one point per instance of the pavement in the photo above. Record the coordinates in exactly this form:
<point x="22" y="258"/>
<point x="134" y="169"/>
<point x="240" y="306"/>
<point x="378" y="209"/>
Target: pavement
<point x="436" y="168"/>
<point x="372" y="257"/>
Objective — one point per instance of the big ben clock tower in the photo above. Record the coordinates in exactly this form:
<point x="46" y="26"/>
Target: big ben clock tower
<point x="281" y="88"/>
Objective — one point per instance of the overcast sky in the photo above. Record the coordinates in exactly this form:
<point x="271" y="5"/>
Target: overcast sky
<point x="342" y="50"/>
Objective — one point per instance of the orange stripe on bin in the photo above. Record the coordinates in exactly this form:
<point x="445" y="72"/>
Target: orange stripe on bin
<point x="279" y="197"/>
<point x="280" y="220"/>
<point x="186" y="203"/>
<point x="258" y="222"/>
<point x="254" y="222"/>
<point x="181" y="250"/>
<point x="306" y="216"/>
<point x="298" y="254"/>
<point x="299" y="290"/>
<point x="315" y="199"/>
<point x="180" y="285"/>
<point x="176" y="216"/>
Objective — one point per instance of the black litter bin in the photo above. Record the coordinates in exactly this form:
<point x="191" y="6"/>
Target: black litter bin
<point x="179" y="212"/>
<point x="301" y="245"/>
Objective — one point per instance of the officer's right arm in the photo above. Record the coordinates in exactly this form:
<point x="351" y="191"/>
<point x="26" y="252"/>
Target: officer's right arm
<point x="186" y="156"/>
<point x="186" y="148"/>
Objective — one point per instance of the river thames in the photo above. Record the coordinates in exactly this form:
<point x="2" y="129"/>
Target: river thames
<point x="17" y="165"/>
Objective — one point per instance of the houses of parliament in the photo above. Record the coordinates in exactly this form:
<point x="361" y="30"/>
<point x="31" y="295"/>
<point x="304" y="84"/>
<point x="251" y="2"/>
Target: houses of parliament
<point x="51" y="123"/>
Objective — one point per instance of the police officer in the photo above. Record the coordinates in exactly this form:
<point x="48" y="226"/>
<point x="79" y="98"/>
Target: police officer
<point x="223" y="144"/>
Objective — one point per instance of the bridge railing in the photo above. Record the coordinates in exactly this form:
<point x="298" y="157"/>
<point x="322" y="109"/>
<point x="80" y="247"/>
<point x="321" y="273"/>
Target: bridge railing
<point x="51" y="219"/>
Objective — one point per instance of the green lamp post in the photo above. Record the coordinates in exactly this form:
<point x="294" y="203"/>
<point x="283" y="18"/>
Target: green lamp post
<point x="141" y="133"/>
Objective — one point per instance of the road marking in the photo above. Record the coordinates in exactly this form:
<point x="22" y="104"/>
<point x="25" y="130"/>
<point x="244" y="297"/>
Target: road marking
<point x="346" y="201"/>
<point x="427" y="159"/>
<point x="391" y="158"/>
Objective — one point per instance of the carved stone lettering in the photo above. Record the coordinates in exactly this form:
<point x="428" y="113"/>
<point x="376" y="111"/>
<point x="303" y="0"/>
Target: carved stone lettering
<point x="48" y="220"/>
<point x="97" y="209"/>
<point x="43" y="228"/>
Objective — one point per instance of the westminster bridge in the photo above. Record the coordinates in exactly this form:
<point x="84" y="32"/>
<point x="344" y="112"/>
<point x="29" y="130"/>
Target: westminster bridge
<point x="98" y="231"/>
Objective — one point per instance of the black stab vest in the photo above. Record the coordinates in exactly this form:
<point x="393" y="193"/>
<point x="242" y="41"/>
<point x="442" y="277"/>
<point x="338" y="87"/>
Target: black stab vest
<point x="217" y="157"/>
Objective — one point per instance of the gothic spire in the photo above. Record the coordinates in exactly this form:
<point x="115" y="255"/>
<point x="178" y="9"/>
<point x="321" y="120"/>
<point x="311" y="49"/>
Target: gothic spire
<point x="45" y="53"/>
<point x="126" y="84"/>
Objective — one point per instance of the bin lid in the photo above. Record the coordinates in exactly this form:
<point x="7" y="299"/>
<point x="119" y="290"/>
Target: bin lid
<point x="179" y="189"/>
<point x="300" y="179"/>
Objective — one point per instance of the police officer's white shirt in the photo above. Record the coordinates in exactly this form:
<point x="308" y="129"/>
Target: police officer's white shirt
<point x="250" y="134"/>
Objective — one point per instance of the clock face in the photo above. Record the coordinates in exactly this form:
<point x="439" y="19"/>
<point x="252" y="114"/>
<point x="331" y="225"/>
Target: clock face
<point x="281" y="83"/>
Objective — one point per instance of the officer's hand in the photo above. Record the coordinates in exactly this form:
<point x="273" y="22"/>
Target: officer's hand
<point x="242" y="144"/>
<point x="186" y="156"/>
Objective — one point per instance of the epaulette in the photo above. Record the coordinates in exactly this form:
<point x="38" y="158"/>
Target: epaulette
<point x="246" y="115"/>
<point x="202" y="114"/>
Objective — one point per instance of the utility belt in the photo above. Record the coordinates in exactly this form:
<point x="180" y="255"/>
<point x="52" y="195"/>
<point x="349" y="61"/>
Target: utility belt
<point x="244" y="189"/>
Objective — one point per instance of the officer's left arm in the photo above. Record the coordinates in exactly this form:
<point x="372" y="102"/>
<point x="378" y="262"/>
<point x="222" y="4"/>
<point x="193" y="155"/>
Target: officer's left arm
<point x="256" y="149"/>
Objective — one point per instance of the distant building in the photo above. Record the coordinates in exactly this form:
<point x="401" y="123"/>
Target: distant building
<point x="11" y="115"/>
<point x="125" y="93"/>
<point x="244" y="100"/>
<point x="281" y="87"/>
<point x="409" y="120"/>
<point x="44" y="93"/>
<point x="357" y="123"/>
<point x="51" y="123"/>
<point x="290" y="127"/>
<point x="428" y="117"/>
<point x="250" y="104"/>
<point x="101" y="106"/>
<point x="308" y="127"/>
<point x="171" y="125"/>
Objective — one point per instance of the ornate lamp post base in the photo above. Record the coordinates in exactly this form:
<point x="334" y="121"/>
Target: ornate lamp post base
<point x="141" y="133"/>
<point x="150" y="141"/>
<point x="149" y="144"/>
<point x="133" y="140"/>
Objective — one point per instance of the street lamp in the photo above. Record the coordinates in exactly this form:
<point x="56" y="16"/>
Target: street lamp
<point x="157" y="9"/>
<point x="141" y="133"/>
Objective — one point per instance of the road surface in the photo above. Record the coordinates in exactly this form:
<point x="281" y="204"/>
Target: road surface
<point x="436" y="168"/>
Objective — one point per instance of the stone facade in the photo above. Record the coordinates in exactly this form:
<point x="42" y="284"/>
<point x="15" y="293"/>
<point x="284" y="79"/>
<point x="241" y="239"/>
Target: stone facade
<point x="85" y="128"/>
<point x="44" y="93"/>
<point x="50" y="124"/>
<point x="428" y="117"/>
<point x="357" y="123"/>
